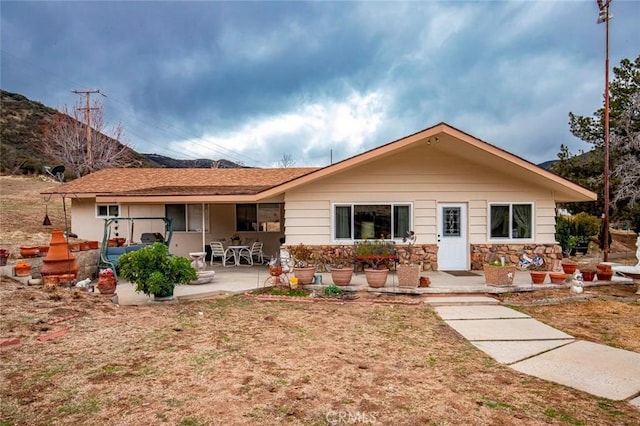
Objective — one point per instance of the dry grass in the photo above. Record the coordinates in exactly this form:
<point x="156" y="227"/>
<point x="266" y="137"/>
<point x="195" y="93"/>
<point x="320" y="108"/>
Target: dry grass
<point x="237" y="360"/>
<point x="240" y="361"/>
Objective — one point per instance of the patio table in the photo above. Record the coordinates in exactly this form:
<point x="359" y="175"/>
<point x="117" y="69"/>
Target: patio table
<point x="236" y="253"/>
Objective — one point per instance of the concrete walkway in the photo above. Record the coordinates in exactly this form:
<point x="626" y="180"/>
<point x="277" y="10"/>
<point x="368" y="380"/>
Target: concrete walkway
<point x="534" y="348"/>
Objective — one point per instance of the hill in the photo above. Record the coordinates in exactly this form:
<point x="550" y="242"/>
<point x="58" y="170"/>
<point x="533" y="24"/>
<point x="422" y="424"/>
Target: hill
<point x="22" y="127"/>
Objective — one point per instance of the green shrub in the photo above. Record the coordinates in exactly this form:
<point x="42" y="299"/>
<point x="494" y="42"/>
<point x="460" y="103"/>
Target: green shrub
<point x="154" y="271"/>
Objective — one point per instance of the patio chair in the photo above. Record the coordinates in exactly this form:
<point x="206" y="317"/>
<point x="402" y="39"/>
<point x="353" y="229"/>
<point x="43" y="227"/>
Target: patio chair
<point x="217" y="250"/>
<point x="256" y="252"/>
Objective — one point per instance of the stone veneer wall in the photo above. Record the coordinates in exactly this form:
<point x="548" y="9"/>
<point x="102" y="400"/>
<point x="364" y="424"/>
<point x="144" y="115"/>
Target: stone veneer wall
<point x="424" y="254"/>
<point x="484" y="253"/>
<point x="87" y="264"/>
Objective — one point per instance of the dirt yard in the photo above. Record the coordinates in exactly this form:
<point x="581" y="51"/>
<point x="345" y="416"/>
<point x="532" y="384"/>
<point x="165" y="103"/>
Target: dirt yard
<point x="73" y="357"/>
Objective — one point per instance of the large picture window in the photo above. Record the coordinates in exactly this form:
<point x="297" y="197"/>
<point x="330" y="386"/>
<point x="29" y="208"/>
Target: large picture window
<point x="511" y="221"/>
<point x="266" y="217"/>
<point x="188" y="217"/>
<point x="371" y="221"/>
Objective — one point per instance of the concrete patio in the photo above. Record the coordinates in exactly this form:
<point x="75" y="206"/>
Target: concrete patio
<point x="235" y="280"/>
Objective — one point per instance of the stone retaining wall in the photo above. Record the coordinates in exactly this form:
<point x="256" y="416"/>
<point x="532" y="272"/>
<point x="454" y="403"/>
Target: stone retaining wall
<point x="484" y="253"/>
<point x="425" y="255"/>
<point x="87" y="264"/>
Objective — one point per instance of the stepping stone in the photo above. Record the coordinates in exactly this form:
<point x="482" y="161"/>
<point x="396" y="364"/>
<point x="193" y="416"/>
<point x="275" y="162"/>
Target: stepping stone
<point x="597" y="369"/>
<point x="508" y="352"/>
<point x="463" y="312"/>
<point x="460" y="300"/>
<point x="524" y="329"/>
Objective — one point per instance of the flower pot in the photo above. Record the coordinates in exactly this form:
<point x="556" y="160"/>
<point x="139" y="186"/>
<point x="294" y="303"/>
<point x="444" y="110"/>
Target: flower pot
<point x="305" y="275"/>
<point x="588" y="275"/>
<point x="569" y="267"/>
<point x="164" y="295"/>
<point x="43" y="250"/>
<point x="74" y="246"/>
<point x="29" y="251"/>
<point x="107" y="284"/>
<point x="50" y="280"/>
<point x="93" y="245"/>
<point x="558" y="277"/>
<point x="84" y="245"/>
<point x="376" y="278"/>
<point x="341" y="276"/>
<point x="604" y="276"/>
<point x="4" y="255"/>
<point x="499" y="275"/>
<point x="538" y="277"/>
<point x="22" y="269"/>
<point x="408" y="275"/>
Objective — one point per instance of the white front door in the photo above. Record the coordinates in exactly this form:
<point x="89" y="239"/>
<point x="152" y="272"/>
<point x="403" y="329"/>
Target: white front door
<point x="453" y="249"/>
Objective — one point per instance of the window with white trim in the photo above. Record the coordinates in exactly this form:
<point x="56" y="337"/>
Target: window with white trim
<point x="107" y="210"/>
<point x="390" y="221"/>
<point x="510" y="221"/>
<point x="187" y="217"/>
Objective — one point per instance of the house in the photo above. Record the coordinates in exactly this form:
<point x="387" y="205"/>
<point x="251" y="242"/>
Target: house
<point x="463" y="197"/>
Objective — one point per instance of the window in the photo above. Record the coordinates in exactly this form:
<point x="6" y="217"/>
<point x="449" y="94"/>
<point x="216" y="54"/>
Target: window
<point x="511" y="221"/>
<point x="107" y="210"/>
<point x="187" y="217"/>
<point x="265" y="217"/>
<point x="371" y="221"/>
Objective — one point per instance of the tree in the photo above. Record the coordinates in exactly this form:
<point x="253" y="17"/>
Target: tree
<point x="624" y="124"/>
<point x="286" y="161"/>
<point x="65" y="140"/>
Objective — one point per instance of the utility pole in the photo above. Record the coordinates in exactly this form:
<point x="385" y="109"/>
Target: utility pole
<point x="603" y="17"/>
<point x="87" y="112"/>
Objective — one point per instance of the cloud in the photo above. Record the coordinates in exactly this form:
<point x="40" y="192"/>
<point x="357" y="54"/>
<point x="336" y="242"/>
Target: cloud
<point x="250" y="81"/>
<point x="309" y="133"/>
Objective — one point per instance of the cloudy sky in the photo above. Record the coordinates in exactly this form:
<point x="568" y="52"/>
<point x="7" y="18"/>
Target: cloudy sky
<point x="253" y="81"/>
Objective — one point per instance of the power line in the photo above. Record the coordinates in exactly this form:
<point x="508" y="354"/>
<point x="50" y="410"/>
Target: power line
<point x="87" y="114"/>
<point x="176" y="131"/>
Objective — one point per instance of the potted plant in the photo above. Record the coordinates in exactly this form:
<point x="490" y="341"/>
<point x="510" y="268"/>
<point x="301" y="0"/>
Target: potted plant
<point x="408" y="272"/>
<point x="154" y="271"/>
<point x="499" y="272"/>
<point x="376" y="255"/>
<point x="341" y="264"/>
<point x="536" y="267"/>
<point x="588" y="272"/>
<point x="303" y="263"/>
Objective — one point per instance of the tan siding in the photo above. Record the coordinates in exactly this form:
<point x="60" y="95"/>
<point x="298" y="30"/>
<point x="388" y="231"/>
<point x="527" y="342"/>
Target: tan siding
<point x="423" y="177"/>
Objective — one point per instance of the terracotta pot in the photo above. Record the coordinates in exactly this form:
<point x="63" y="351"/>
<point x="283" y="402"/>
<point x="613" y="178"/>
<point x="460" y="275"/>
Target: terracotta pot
<point x="538" y="277"/>
<point x="604" y="276"/>
<point x="107" y="284"/>
<point x="59" y="259"/>
<point x="376" y="278"/>
<point x="22" y="269"/>
<point x="84" y="246"/>
<point x="43" y="250"/>
<point x="93" y="245"/>
<point x="4" y="255"/>
<point x="588" y="275"/>
<point x="29" y="251"/>
<point x="569" y="267"/>
<point x="305" y="275"/>
<point x="50" y="280"/>
<point x="74" y="246"/>
<point x="558" y="277"/>
<point x="341" y="276"/>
